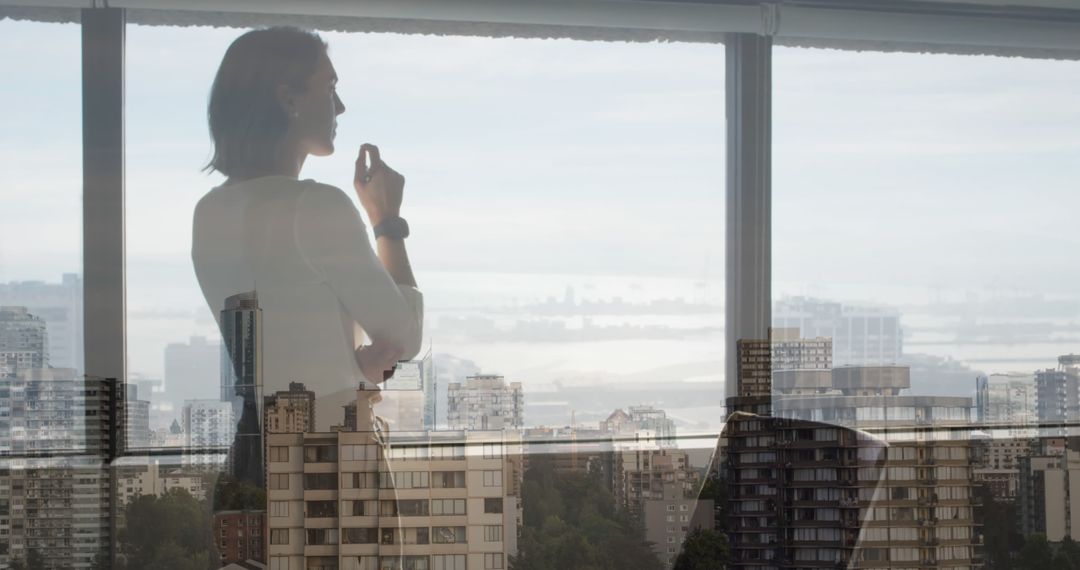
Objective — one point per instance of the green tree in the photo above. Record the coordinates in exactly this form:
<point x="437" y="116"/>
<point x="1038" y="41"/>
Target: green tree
<point x="233" y="495"/>
<point x="571" y="521"/>
<point x="704" y="550"/>
<point x="170" y="532"/>
<point x="1068" y="555"/>
<point x="1001" y="538"/>
<point x="1036" y="554"/>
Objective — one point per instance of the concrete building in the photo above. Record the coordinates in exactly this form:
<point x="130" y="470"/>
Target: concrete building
<point x="810" y="489"/>
<point x="60" y="306"/>
<point x="1049" y="505"/>
<point x="442" y="500"/>
<point x="56" y="503"/>
<point x="290" y="411"/>
<point x="192" y="371"/>
<point x="485" y="402"/>
<point x="1008" y="401"/>
<point x="670" y="518"/>
<point x="154" y="480"/>
<point x="136" y="419"/>
<point x="24" y="341"/>
<point x="240" y="536"/>
<point x="996" y="463"/>
<point x="641" y="421"/>
<point x="861" y="336"/>
<point x="409" y="396"/>
<point x="1057" y="395"/>
<point x="207" y="424"/>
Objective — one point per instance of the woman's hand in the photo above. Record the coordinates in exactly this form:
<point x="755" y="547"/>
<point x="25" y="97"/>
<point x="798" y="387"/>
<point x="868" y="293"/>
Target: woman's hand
<point x="377" y="360"/>
<point x="378" y="186"/>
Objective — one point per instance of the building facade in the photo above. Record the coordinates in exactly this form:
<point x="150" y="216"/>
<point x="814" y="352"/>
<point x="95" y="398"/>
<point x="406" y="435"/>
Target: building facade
<point x="485" y="402"/>
<point x="24" y="341"/>
<point x="60" y="306"/>
<point x="207" y="424"/>
<point x="861" y="336"/>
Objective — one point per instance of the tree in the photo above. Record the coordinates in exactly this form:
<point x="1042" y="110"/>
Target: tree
<point x="34" y="560"/>
<point x="571" y="521"/>
<point x="1036" y="554"/>
<point x="170" y="532"/>
<point x="1068" y="555"/>
<point x="704" y="550"/>
<point x="1000" y="535"/>
<point x="233" y="495"/>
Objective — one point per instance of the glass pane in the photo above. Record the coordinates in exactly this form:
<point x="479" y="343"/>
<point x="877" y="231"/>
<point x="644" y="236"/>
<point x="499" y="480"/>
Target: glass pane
<point x="921" y="212"/>
<point x="565" y="202"/>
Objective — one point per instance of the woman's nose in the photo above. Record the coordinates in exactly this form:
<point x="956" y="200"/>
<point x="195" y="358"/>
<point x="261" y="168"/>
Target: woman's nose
<point x="340" y="105"/>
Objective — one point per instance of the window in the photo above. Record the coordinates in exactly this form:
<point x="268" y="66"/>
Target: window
<point x="279" y="563"/>
<point x="447" y="479"/>
<point x="279" y="454"/>
<point x="320" y="481"/>
<point x="320" y="453"/>
<point x="493" y="505"/>
<point x="321" y="509"/>
<point x="322" y="536"/>
<point x="365" y="452"/>
<point x="279" y="508"/>
<point x="493" y="478"/>
<point x="448" y="535"/>
<point x="360" y="535"/>
<point x="492" y="450"/>
<point x="493" y="560"/>
<point x="448" y="506"/>
<point x="363" y="480"/>
<point x="356" y="508"/>
<point x="492" y="533"/>
<point x="448" y="562"/>
<point x="279" y="481"/>
<point x="279" y="536"/>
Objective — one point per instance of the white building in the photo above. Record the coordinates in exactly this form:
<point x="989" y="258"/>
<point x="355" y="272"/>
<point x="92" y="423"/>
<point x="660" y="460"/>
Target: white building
<point x="154" y="480"/>
<point x="485" y="402"/>
<point x="60" y="306"/>
<point x="24" y="341"/>
<point x="861" y="336"/>
<point x="207" y="424"/>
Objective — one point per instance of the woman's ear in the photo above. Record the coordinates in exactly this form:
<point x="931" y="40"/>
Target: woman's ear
<point x="286" y="99"/>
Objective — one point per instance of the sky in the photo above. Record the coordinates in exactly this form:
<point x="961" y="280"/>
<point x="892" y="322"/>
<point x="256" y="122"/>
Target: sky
<point x="537" y="164"/>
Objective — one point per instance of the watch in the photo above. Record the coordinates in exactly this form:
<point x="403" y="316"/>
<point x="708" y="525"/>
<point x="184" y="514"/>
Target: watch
<point x="396" y="228"/>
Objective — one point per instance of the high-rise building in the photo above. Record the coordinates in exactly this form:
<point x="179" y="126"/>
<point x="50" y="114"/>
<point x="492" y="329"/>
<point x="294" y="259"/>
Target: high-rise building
<point x="1057" y="395"/>
<point x="242" y="383"/>
<point x="136" y="419"/>
<point x="646" y="421"/>
<point x="24" y="341"/>
<point x="1008" y="401"/>
<point x="447" y="500"/>
<point x="485" y="402"/>
<point x="810" y="489"/>
<point x="241" y="538"/>
<point x="192" y="371"/>
<point x="60" y="306"/>
<point x="1048" y="505"/>
<point x="784" y="351"/>
<point x="996" y="463"/>
<point x="861" y="336"/>
<point x="670" y="518"/>
<point x="290" y="411"/>
<point x="58" y="499"/>
<point x="207" y="424"/>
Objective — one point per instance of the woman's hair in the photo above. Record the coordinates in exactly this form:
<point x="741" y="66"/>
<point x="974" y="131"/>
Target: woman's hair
<point x="247" y="122"/>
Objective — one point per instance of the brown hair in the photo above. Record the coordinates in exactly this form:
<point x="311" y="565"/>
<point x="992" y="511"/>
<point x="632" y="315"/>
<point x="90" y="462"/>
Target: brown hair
<point x="246" y="120"/>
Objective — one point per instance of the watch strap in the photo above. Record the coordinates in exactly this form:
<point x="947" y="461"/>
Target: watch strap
<point x="395" y="228"/>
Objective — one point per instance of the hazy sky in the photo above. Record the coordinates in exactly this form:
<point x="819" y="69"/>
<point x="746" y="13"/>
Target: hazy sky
<point x="893" y="173"/>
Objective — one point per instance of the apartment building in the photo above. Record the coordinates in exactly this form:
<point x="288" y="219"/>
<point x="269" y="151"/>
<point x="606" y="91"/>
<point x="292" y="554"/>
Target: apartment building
<point x="208" y="425"/>
<point x="861" y="335"/>
<point x="152" y="479"/>
<point x="1049" y="495"/>
<point x="441" y="500"/>
<point x="24" y="341"/>
<point x="58" y="498"/>
<point x="59" y="305"/>
<point x="240" y="536"/>
<point x="485" y="402"/>
<point x="670" y="518"/>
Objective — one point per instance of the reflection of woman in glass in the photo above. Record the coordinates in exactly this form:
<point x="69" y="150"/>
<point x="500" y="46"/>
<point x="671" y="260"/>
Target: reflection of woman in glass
<point x="334" y="315"/>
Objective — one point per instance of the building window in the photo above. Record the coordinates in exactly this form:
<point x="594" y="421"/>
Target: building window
<point x="320" y="481"/>
<point x="321" y="509"/>
<point x="279" y="536"/>
<point x="493" y="478"/>
<point x="493" y="506"/>
<point x="279" y="481"/>
<point x="359" y="535"/>
<point x="448" y="535"/>
<point x="493" y="560"/>
<point x="279" y="563"/>
<point x="448" y="479"/>
<point x="448" y="562"/>
<point x="320" y="454"/>
<point x="492" y="451"/>
<point x="279" y="508"/>
<point x="448" y="506"/>
<point x="492" y="533"/>
<point x="279" y="454"/>
<point x="322" y="536"/>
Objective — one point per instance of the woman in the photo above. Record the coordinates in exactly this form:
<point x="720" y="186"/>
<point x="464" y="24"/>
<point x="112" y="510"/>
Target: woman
<point x="334" y="315"/>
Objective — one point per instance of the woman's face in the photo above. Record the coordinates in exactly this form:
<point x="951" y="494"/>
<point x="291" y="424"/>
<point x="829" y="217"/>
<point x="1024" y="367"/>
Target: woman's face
<point x="315" y="112"/>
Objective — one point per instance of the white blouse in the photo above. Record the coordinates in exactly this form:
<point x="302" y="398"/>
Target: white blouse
<point x="303" y="249"/>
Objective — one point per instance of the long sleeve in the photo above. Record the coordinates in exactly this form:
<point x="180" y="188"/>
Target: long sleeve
<point x="334" y="240"/>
